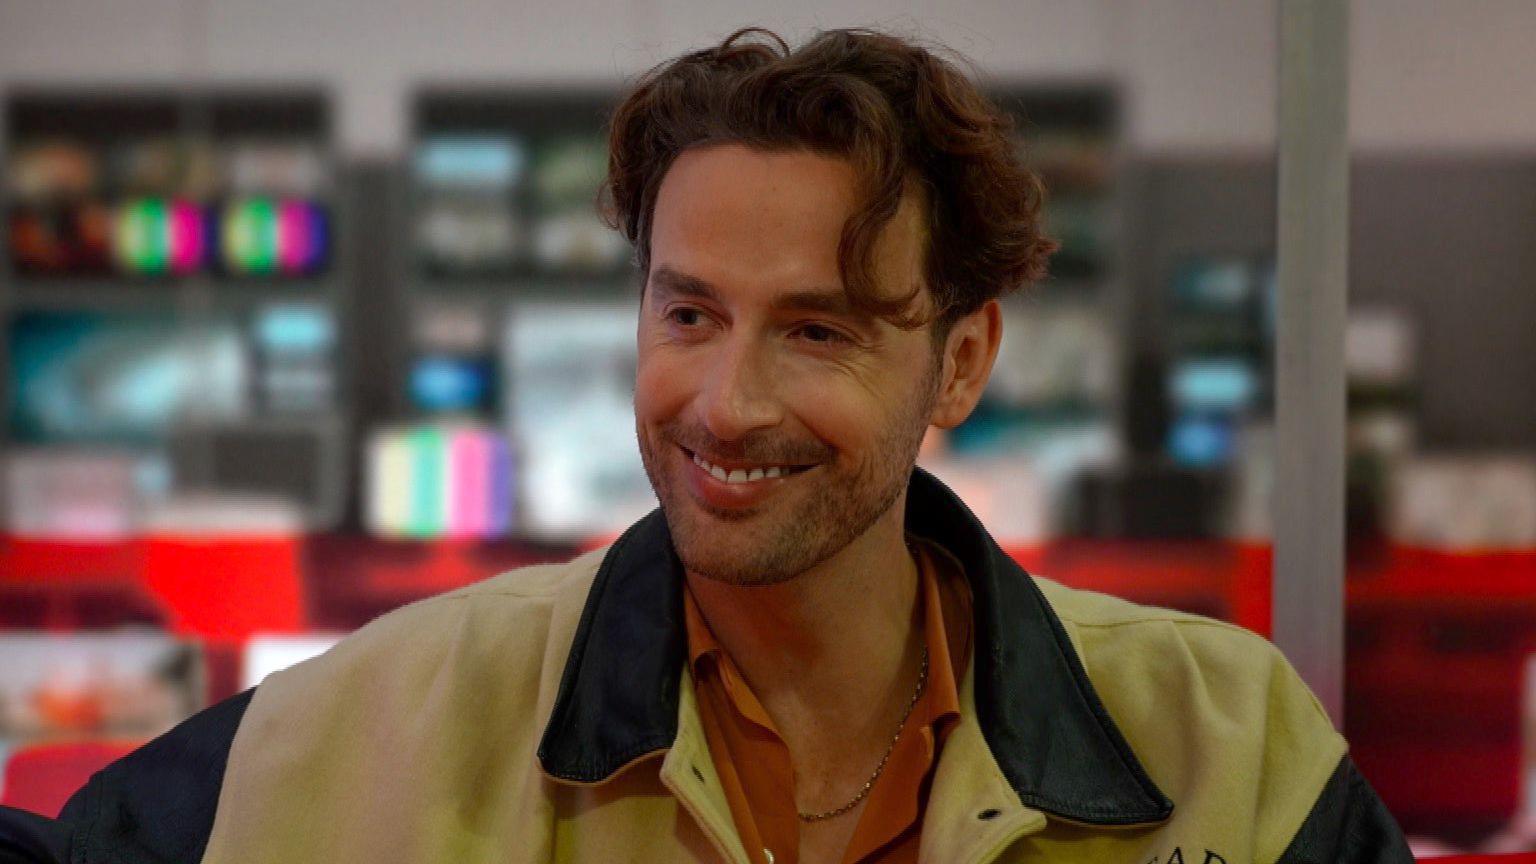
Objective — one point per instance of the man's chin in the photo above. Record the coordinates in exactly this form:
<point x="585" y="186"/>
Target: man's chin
<point x="712" y="514"/>
<point x="730" y="563"/>
<point x="730" y="574"/>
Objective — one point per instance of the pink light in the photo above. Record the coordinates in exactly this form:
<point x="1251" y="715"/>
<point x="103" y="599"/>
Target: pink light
<point x="187" y="244"/>
<point x="294" y="236"/>
<point x="468" y="455"/>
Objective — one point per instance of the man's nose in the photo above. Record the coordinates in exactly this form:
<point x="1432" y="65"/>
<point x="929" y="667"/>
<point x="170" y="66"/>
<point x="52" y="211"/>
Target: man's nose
<point x="739" y="394"/>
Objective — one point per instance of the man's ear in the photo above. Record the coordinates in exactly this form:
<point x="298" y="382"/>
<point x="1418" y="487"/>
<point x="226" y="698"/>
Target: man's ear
<point x="969" y="352"/>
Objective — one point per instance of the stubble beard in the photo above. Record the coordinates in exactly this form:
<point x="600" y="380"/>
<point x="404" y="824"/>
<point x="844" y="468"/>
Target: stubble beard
<point x="797" y="528"/>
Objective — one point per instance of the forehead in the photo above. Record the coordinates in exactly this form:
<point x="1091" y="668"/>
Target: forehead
<point x="731" y="215"/>
<point x="732" y="199"/>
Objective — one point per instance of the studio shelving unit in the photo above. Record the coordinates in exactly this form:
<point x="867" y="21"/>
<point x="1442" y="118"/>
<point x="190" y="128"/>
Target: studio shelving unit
<point x="173" y="267"/>
<point x="516" y="303"/>
<point x="1057" y="374"/>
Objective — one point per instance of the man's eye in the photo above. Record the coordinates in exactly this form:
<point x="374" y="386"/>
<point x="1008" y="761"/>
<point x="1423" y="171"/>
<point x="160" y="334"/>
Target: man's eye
<point x="672" y="315"/>
<point x="822" y="335"/>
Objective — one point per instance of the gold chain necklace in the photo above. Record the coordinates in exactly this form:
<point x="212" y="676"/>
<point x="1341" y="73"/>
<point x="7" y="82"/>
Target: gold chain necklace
<point x="922" y="678"/>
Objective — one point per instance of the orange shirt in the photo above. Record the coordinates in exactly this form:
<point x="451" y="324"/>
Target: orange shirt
<point x="754" y="762"/>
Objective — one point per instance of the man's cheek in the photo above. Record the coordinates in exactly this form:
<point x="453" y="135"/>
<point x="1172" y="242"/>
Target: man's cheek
<point x="648" y="392"/>
<point x="661" y="389"/>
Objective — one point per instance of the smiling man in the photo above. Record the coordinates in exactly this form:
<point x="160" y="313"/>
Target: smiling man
<point x="812" y="651"/>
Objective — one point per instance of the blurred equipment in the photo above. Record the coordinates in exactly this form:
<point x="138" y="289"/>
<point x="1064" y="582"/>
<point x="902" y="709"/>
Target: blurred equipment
<point x="1146" y="502"/>
<point x="1382" y="388"/>
<point x="87" y="376"/>
<point x="170" y="321"/>
<point x="295" y="352"/>
<point x="119" y="185"/>
<point x="1006" y="493"/>
<point x="75" y="494"/>
<point x="467" y="189"/>
<point x="1220" y="357"/>
<point x="268" y="653"/>
<point x="77" y="686"/>
<point x="504" y="184"/>
<point x="298" y="461"/>
<point x="447" y="480"/>
<point x="453" y="365"/>
<point x="1464" y="502"/>
<point x="568" y="234"/>
<point x="570" y="374"/>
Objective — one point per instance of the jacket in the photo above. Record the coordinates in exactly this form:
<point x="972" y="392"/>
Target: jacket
<point x="546" y="714"/>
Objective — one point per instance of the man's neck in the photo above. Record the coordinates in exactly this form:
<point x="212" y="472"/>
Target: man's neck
<point x="841" y="640"/>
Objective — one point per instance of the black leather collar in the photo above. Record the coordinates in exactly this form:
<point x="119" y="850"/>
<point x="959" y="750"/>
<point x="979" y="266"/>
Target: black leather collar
<point x="1050" y="734"/>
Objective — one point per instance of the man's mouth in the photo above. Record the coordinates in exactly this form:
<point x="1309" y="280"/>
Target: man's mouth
<point x="737" y="472"/>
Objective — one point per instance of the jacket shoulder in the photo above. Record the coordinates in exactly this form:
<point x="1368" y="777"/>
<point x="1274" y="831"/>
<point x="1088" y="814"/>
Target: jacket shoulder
<point x="532" y="582"/>
<point x="1189" y="690"/>
<point x="508" y="626"/>
<point x="1102" y="626"/>
<point x="159" y="802"/>
<point x="509" y="623"/>
<point x="524" y="600"/>
<point x="423" y="706"/>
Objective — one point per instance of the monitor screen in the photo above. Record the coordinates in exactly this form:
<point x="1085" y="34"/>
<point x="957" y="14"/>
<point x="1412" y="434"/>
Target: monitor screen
<point x="96" y="377"/>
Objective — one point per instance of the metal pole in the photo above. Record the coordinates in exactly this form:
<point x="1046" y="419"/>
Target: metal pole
<point x="1313" y="225"/>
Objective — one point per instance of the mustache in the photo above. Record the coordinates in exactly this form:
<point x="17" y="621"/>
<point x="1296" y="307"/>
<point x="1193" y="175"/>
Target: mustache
<point x="750" y="450"/>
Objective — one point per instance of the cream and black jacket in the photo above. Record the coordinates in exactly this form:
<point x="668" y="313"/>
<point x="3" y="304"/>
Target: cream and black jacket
<point x="547" y="715"/>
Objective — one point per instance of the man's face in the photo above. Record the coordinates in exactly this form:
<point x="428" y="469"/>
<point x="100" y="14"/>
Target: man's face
<point x="732" y="369"/>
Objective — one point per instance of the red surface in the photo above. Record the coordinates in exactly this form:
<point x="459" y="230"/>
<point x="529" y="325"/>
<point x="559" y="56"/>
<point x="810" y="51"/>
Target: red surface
<point x="1437" y="643"/>
<point x="219" y="588"/>
<point x="227" y="588"/>
<point x="41" y="777"/>
<point x="1230" y="581"/>
<point x="57" y="561"/>
<point x="1404" y="573"/>
<point x="1436" y="640"/>
<point x="231" y="588"/>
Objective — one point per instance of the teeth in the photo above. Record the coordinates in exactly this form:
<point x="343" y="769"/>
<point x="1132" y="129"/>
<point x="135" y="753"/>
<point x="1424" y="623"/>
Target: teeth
<point x="739" y="475"/>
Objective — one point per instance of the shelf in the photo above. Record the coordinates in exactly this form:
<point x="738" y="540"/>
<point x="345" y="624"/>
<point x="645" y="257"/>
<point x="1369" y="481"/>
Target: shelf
<point x="602" y="286"/>
<point x="124" y="295"/>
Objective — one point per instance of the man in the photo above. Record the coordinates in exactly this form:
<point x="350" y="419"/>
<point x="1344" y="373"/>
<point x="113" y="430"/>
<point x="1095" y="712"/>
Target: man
<point x="812" y="651"/>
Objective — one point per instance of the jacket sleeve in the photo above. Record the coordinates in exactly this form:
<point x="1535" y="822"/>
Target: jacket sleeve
<point x="153" y="806"/>
<point x="27" y="838"/>
<point x="1348" y="825"/>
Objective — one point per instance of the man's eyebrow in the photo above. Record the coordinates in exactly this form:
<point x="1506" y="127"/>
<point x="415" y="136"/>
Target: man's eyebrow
<point x="674" y="283"/>
<point x="671" y="282"/>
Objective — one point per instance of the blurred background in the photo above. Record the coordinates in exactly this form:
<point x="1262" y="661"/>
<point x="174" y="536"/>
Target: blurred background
<point x="305" y="313"/>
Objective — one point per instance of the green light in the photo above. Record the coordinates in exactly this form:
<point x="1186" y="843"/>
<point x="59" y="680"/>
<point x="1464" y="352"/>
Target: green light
<point x="143" y="236"/>
<point x="250" y="236"/>
<point x="429" y="503"/>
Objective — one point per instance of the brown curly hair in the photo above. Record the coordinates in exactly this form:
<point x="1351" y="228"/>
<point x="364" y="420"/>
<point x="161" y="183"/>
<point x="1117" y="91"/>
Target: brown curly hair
<point x="897" y="112"/>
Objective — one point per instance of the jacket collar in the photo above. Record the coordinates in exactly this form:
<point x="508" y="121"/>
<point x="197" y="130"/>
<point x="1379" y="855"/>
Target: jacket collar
<point x="1044" y="724"/>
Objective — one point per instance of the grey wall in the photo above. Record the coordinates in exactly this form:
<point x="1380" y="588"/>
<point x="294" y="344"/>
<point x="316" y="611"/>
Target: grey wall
<point x="1454" y="241"/>
<point x="1199" y="74"/>
<point x="1449" y="239"/>
<point x="1181" y="206"/>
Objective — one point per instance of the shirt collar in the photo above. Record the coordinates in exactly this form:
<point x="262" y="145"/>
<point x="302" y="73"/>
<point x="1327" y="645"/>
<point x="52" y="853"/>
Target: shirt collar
<point x="946" y="641"/>
<point x="1050" y="734"/>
